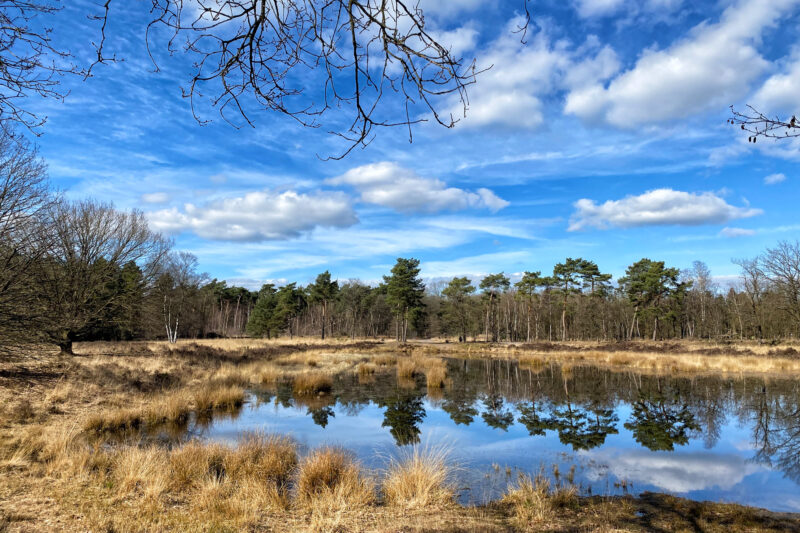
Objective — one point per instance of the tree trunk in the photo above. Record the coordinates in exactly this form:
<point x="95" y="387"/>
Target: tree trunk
<point x="633" y="322"/>
<point x="323" y="320"/>
<point x="66" y="347"/>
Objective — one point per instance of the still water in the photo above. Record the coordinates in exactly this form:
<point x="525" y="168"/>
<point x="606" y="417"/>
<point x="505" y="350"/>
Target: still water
<point x="705" y="438"/>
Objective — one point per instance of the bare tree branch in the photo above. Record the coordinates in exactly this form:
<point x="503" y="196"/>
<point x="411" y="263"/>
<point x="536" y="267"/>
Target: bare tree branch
<point x="760" y="125"/>
<point x="304" y="58"/>
<point x="29" y="62"/>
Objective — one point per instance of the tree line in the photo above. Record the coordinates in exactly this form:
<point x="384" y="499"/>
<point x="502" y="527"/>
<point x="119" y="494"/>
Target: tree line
<point x="83" y="270"/>
<point x="576" y="302"/>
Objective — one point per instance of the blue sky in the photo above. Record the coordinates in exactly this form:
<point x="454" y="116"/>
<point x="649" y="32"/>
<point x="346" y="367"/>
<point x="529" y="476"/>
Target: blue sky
<point x="603" y="137"/>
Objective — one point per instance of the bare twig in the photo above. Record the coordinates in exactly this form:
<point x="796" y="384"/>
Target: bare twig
<point x="760" y="125"/>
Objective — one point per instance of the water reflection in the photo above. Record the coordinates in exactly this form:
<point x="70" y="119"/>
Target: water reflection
<point x="705" y="437"/>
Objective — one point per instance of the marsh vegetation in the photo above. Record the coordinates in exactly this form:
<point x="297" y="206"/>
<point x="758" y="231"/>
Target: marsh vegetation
<point x="143" y="436"/>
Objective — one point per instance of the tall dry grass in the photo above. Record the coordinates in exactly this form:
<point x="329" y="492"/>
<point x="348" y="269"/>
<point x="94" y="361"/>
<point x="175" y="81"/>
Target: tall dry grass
<point x="420" y="478"/>
<point x="406" y="368"/>
<point x="310" y="383"/>
<point x="213" y="396"/>
<point x="532" y="500"/>
<point x="330" y="479"/>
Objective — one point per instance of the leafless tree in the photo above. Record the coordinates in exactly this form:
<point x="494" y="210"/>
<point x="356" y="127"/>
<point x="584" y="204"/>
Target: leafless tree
<point x="175" y="288"/>
<point x="23" y="241"/>
<point x="781" y="266"/>
<point x="91" y="243"/>
<point x="755" y="285"/>
<point x="758" y="124"/>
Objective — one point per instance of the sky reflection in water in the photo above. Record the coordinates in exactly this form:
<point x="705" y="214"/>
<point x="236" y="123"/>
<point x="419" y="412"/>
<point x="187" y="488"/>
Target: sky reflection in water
<point x="706" y="438"/>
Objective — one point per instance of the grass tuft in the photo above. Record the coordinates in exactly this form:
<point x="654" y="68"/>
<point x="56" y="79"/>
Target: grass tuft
<point x="533" y="501"/>
<point x="419" y="479"/>
<point x="309" y="383"/>
<point x="406" y="368"/>
<point x="329" y="478"/>
<point x="218" y="396"/>
<point x="436" y="375"/>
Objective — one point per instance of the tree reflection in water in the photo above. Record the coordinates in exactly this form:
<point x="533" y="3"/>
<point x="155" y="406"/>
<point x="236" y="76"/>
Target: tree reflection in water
<point x="581" y="406"/>
<point x="495" y="415"/>
<point x="404" y="412"/>
<point x="659" y="424"/>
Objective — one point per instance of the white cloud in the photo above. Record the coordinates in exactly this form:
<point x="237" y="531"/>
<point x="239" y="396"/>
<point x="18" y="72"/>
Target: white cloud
<point x="676" y="472"/>
<point x="390" y="185"/>
<point x="737" y="232"/>
<point x="781" y="92"/>
<point x="258" y="216"/>
<point x="594" y="69"/>
<point x="712" y="67"/>
<point x="774" y="179"/>
<point x="657" y="207"/>
<point x="509" y="93"/>
<point x="458" y="41"/>
<point x="155" y="197"/>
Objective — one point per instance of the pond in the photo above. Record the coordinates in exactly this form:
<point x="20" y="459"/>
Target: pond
<point x="706" y="438"/>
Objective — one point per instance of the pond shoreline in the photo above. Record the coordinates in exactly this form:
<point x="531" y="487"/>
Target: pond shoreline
<point x="47" y="397"/>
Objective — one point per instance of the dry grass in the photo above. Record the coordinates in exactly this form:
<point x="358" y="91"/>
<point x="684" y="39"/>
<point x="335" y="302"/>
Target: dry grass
<point x="56" y="476"/>
<point x="421" y="478"/>
<point x="406" y="368"/>
<point x="533" y="501"/>
<point x="213" y="396"/>
<point x="269" y="375"/>
<point x="384" y="359"/>
<point x="310" y="383"/>
<point x="436" y="375"/>
<point x="329" y="478"/>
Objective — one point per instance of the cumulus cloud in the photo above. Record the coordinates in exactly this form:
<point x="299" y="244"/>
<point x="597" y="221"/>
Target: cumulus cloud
<point x="390" y="185"/>
<point x="677" y="472"/>
<point x="258" y="216"/>
<point x="155" y="198"/>
<point x="774" y="179"/>
<point x="737" y="232"/>
<point x="657" y="207"/>
<point x="714" y="65"/>
<point x="781" y="92"/>
<point x="509" y="94"/>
